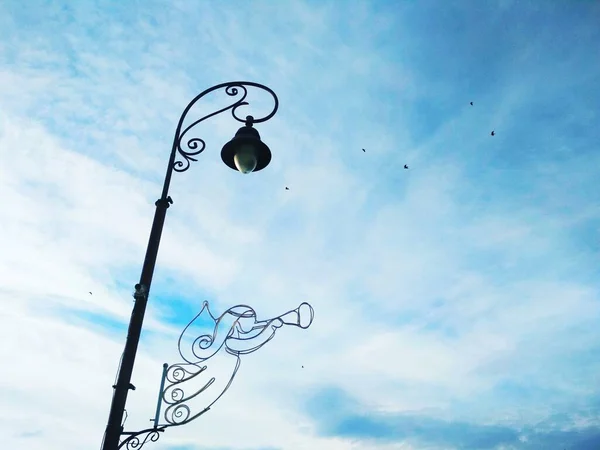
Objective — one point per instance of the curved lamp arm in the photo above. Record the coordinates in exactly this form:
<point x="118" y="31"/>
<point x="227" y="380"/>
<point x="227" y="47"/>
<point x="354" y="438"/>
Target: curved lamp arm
<point x="189" y="148"/>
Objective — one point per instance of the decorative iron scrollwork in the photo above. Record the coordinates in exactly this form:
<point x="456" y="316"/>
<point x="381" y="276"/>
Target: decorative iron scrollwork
<point x="133" y="441"/>
<point x="188" y="149"/>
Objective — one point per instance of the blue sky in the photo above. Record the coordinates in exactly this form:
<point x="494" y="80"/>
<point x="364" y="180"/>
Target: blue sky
<point x="456" y="303"/>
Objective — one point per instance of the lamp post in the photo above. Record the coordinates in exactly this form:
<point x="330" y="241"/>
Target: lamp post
<point x="246" y="153"/>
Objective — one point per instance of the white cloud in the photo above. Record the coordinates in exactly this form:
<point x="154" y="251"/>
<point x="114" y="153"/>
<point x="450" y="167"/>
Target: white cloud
<point x="432" y="287"/>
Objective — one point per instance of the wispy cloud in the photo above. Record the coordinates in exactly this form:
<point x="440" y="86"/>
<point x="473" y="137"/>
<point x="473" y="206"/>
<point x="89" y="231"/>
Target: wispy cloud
<point x="456" y="302"/>
<point x="338" y="415"/>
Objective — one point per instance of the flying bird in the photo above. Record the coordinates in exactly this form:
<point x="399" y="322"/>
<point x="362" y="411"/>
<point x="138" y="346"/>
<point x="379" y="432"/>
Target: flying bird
<point x="471" y="103"/>
<point x="90" y="293"/>
<point x="364" y="150"/>
<point x="493" y="133"/>
<point x="405" y="166"/>
<point x="287" y="188"/>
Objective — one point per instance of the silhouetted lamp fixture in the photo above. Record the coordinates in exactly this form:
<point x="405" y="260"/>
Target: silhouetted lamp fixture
<point x="246" y="152"/>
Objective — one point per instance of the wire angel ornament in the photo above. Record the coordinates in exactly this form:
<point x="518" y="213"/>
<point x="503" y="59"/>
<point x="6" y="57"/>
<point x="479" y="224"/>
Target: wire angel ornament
<point x="192" y="387"/>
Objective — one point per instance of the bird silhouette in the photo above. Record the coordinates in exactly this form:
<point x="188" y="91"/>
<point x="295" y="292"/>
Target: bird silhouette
<point x="471" y="103"/>
<point x="493" y="133"/>
<point x="405" y="166"/>
<point x="364" y="150"/>
<point x="90" y="293"/>
<point x="287" y="188"/>
<point x="303" y="367"/>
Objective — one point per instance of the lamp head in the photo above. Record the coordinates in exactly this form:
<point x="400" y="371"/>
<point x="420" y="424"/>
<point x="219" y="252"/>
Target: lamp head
<point x="246" y="152"/>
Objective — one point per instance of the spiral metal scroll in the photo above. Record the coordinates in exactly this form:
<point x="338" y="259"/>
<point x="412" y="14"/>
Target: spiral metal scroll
<point x="244" y="334"/>
<point x="189" y="148"/>
<point x="134" y="441"/>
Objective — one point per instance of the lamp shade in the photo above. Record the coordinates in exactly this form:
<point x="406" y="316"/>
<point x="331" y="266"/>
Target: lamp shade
<point x="246" y="152"/>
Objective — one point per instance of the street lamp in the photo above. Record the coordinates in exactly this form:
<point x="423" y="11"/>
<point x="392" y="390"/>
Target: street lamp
<point x="246" y="153"/>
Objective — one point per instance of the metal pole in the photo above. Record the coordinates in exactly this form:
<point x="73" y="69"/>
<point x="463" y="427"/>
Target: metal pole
<point x="121" y="388"/>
